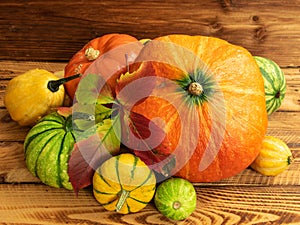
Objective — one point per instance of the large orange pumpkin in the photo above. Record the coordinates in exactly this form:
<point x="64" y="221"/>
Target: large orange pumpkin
<point x="97" y="48"/>
<point x="209" y="96"/>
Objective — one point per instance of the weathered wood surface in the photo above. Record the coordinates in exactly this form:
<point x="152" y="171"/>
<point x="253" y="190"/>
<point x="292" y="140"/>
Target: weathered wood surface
<point x="38" y="204"/>
<point x="54" y="30"/>
<point x="245" y="198"/>
<point x="45" y="34"/>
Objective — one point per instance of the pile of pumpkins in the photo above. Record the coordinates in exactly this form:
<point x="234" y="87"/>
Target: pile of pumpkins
<point x="213" y="97"/>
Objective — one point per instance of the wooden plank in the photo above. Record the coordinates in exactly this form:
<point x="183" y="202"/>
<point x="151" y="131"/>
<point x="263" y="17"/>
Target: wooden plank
<point x="12" y="68"/>
<point x="10" y="130"/>
<point x="291" y="101"/>
<point x="285" y="125"/>
<point x="39" y="204"/>
<point x="12" y="164"/>
<point x="268" y="28"/>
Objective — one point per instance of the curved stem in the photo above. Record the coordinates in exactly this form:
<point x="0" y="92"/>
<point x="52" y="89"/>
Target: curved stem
<point x="122" y="199"/>
<point x="53" y="85"/>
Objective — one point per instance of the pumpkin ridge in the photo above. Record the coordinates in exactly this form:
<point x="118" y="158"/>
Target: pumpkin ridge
<point x="31" y="137"/>
<point x="32" y="153"/>
<point x="137" y="200"/>
<point x="277" y="71"/>
<point x="58" y="162"/>
<point x="27" y="143"/>
<point x="270" y="103"/>
<point x="103" y="193"/>
<point x="53" y="117"/>
<point x="117" y="170"/>
<point x="133" y="167"/>
<point x="268" y="78"/>
<point x="128" y="207"/>
<point x="109" y="202"/>
<point x="67" y="148"/>
<point x="145" y="181"/>
<point x="104" y="180"/>
<point x="52" y="120"/>
<point x="42" y="174"/>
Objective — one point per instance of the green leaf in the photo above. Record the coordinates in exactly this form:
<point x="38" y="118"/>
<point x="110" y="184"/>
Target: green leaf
<point x="102" y="112"/>
<point x="92" y="88"/>
<point x="107" y="134"/>
<point x="88" y="154"/>
<point x="93" y="99"/>
<point x="87" y="90"/>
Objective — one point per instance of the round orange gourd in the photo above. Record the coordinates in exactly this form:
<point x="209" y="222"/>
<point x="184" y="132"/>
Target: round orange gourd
<point x="210" y="95"/>
<point x="274" y="157"/>
<point x="95" y="49"/>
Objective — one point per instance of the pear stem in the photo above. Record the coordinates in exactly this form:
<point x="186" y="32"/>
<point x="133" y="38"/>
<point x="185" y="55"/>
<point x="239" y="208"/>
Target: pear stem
<point x="53" y="85"/>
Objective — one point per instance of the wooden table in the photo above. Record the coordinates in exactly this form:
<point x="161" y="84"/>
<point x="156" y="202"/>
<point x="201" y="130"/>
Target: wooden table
<point x="266" y="28"/>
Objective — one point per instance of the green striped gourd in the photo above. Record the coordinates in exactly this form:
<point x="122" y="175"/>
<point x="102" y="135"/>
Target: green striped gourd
<point x="47" y="149"/>
<point x="176" y="198"/>
<point x="124" y="183"/>
<point x="274" y="81"/>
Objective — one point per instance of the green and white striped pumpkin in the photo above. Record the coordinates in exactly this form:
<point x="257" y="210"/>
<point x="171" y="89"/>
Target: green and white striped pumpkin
<point x="274" y="81"/>
<point x="47" y="149"/>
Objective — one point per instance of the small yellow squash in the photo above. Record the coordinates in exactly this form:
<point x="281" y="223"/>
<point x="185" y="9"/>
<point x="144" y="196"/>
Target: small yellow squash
<point x="124" y="183"/>
<point x="31" y="95"/>
<point x="274" y="157"/>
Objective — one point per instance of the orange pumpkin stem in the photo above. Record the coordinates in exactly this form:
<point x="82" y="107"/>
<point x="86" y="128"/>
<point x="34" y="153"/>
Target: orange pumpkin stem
<point x="195" y="88"/>
<point x="91" y="53"/>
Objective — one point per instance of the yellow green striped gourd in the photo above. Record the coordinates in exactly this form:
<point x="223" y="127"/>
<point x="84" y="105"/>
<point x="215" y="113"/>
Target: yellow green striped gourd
<point x="124" y="183"/>
<point x="274" y="157"/>
<point x="274" y="81"/>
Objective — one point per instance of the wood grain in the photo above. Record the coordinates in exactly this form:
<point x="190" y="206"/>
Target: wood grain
<point x="45" y="34"/>
<point x="13" y="168"/>
<point x="25" y="204"/>
<point x="268" y="28"/>
<point x="10" y="130"/>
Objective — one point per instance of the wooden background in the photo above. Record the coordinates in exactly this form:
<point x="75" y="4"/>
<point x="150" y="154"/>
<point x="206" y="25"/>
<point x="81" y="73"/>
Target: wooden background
<point x="46" y="34"/>
<point x="55" y="30"/>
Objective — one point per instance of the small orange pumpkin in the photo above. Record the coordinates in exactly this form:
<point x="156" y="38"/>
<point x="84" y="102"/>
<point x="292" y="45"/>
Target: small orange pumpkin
<point x="210" y="95"/>
<point x="95" y="49"/>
